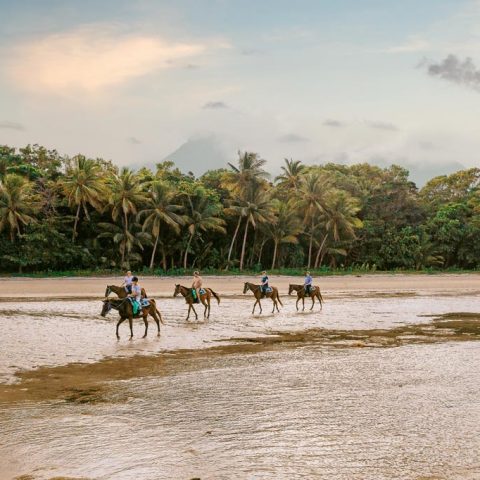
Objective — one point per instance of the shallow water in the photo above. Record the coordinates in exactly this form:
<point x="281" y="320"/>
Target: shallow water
<point x="56" y="333"/>
<point x="297" y="410"/>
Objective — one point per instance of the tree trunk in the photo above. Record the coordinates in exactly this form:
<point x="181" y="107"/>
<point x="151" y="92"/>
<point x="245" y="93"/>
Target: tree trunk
<point x="261" y="251"/>
<point x="310" y="248"/>
<point x="164" y="259"/>
<point x="125" y="233"/>
<point x="185" y="258"/>
<point x="317" y="259"/>
<point x="77" y="218"/>
<point x="154" y="251"/>
<point x="274" y="253"/>
<point x="233" y="241"/>
<point x="244" y="243"/>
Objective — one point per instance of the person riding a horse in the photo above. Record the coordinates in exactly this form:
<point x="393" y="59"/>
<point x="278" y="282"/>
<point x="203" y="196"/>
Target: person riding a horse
<point x="136" y="295"/>
<point x="264" y="283"/>
<point x="127" y="281"/>
<point x="308" y="283"/>
<point x="196" y="286"/>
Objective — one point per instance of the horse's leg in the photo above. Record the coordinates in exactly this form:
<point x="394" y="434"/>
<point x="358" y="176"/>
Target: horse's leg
<point x="205" y="304"/>
<point x="274" y="302"/>
<point x="254" y="305"/>
<point x="145" y="321"/>
<point x="196" y="316"/>
<point x="122" y="319"/>
<point x="153" y="313"/>
<point x="260" y="305"/>
<point x="189" y="308"/>
<point x="313" y="302"/>
<point x="130" y="322"/>
<point x="303" y="303"/>
<point x="209" y="307"/>
<point x="296" y="304"/>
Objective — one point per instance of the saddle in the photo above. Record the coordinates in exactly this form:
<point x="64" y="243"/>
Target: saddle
<point x="202" y="291"/>
<point x="137" y="307"/>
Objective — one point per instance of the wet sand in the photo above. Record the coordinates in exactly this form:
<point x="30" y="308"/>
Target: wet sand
<point x="94" y="287"/>
<point x="382" y="384"/>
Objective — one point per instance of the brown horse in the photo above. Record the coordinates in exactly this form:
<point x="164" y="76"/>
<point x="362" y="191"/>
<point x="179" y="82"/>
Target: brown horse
<point x="301" y="294"/>
<point x="125" y="310"/>
<point x="258" y="294"/>
<point x="120" y="291"/>
<point x="204" y="298"/>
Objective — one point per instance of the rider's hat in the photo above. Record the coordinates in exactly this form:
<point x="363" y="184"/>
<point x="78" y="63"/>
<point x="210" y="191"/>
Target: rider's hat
<point x="196" y="273"/>
<point x="135" y="279"/>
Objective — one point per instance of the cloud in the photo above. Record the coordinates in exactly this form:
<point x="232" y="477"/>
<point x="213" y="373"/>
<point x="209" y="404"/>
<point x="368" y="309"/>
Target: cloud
<point x="383" y="126"/>
<point x="134" y="141"/>
<point x="454" y="70"/>
<point x="333" y="123"/>
<point x="91" y="58"/>
<point x="11" y="125"/>
<point x="413" y="44"/>
<point x="215" y="105"/>
<point x="292" y="138"/>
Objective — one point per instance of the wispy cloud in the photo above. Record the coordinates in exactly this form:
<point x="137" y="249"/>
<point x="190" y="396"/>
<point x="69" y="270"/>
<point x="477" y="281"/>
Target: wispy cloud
<point x="91" y="58"/>
<point x="292" y="138"/>
<point x="215" y="105"/>
<point x="333" y="123"/>
<point x="412" y="44"/>
<point x="134" y="140"/>
<point x="454" y="70"/>
<point x="383" y="126"/>
<point x="11" y="125"/>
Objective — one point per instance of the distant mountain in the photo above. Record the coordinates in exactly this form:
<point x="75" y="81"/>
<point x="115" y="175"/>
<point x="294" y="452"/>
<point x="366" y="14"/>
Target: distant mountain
<point x="200" y="154"/>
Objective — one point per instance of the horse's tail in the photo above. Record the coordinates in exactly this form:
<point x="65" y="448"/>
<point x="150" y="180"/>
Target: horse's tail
<point x="278" y="298"/>
<point x="144" y="293"/>
<point x="320" y="298"/>
<point x="215" y="295"/>
<point x="159" y="316"/>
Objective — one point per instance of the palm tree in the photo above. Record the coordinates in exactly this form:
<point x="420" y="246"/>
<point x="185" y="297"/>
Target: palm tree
<point x="249" y="171"/>
<point x="258" y="209"/>
<point x="126" y="196"/>
<point x="291" y="177"/>
<point x="202" y="217"/>
<point x="340" y="219"/>
<point x="236" y="209"/>
<point x="312" y="203"/>
<point x="17" y="204"/>
<point x="160" y="211"/>
<point x="126" y="239"/>
<point x="83" y="185"/>
<point x="286" y="228"/>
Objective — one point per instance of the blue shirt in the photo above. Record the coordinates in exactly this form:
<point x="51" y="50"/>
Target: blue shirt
<point x="308" y="280"/>
<point x="137" y="291"/>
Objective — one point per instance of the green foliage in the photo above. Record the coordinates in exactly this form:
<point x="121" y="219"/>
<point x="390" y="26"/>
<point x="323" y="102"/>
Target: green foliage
<point x="77" y="214"/>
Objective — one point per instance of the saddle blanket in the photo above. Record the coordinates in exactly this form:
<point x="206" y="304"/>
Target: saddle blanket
<point x="137" y="306"/>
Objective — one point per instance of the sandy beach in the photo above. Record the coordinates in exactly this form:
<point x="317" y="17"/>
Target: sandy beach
<point x="383" y="284"/>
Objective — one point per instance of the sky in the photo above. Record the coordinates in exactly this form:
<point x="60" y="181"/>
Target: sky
<point x="140" y="81"/>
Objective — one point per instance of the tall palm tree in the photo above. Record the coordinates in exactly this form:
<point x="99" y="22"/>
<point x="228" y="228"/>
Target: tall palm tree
<point x="126" y="198"/>
<point x="160" y="211"/>
<point x="312" y="191"/>
<point x="202" y="217"/>
<point x="82" y="186"/>
<point x="286" y="228"/>
<point x="291" y="177"/>
<point x="236" y="209"/>
<point x="339" y="218"/>
<point x="258" y="210"/>
<point x="249" y="171"/>
<point x="17" y="204"/>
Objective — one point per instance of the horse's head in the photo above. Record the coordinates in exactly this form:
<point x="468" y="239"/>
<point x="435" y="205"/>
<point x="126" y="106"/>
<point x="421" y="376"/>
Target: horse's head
<point x="108" y="291"/>
<point x="245" y="287"/>
<point x="290" y="289"/>
<point x="177" y="290"/>
<point x="107" y="306"/>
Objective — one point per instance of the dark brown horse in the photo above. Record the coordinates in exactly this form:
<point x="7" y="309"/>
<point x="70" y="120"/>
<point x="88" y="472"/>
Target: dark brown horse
<point x="258" y="294"/>
<point x="301" y="294"/>
<point x="120" y="291"/>
<point x="204" y="299"/>
<point x="125" y="310"/>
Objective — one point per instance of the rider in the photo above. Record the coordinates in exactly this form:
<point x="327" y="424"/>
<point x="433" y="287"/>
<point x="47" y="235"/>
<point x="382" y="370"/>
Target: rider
<point x="308" y="283"/>
<point x="127" y="281"/>
<point x="197" y="285"/>
<point x="136" y="293"/>
<point x="264" y="284"/>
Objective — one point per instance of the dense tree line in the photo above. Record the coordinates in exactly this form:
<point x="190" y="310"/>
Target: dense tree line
<point x="60" y="213"/>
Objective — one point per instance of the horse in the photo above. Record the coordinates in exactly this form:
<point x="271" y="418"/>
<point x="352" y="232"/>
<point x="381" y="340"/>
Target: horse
<point x="258" y="294"/>
<point x="204" y="298"/>
<point x="120" y="291"/>
<point x="125" y="310"/>
<point x="301" y="294"/>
